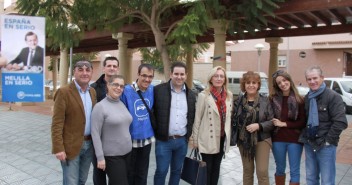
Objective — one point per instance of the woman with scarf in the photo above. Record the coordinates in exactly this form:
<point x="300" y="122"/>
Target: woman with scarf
<point x="289" y="119"/>
<point x="253" y="121"/>
<point x="212" y="125"/>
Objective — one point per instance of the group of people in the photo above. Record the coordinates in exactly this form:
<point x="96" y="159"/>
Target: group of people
<point x="113" y="125"/>
<point x="287" y="123"/>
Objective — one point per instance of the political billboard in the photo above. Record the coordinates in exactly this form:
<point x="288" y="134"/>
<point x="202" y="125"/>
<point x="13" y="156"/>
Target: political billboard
<point x="23" y="47"/>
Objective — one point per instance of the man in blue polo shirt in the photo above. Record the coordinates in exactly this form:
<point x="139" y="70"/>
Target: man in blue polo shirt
<point x="137" y="97"/>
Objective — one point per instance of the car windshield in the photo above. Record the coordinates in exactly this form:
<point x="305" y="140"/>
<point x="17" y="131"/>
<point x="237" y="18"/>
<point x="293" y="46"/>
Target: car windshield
<point x="197" y="82"/>
<point x="264" y="83"/>
<point x="347" y="86"/>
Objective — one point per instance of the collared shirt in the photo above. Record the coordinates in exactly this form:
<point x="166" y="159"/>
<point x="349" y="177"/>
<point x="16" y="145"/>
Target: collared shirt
<point x="87" y="104"/>
<point x="137" y="143"/>
<point x="178" y="112"/>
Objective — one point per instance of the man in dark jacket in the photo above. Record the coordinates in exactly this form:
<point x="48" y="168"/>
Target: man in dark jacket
<point x="174" y="110"/>
<point x="326" y="120"/>
<point x="110" y="67"/>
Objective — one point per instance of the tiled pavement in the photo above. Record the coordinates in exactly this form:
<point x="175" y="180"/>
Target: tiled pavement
<point x="26" y="159"/>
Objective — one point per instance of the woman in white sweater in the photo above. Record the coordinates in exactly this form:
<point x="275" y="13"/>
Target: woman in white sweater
<point x="212" y="125"/>
<point x="110" y="133"/>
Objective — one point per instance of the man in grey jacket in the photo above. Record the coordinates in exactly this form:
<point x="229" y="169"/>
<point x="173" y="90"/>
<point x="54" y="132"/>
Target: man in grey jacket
<point x="326" y="120"/>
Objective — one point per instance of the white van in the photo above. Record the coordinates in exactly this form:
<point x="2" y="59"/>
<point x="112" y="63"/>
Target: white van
<point x="234" y="82"/>
<point x="342" y="86"/>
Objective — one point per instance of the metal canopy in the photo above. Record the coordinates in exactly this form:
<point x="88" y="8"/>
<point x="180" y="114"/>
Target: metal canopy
<point x="293" y="18"/>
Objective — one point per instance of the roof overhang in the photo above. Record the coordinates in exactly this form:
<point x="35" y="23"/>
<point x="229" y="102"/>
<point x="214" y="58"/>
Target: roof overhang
<point x="293" y="18"/>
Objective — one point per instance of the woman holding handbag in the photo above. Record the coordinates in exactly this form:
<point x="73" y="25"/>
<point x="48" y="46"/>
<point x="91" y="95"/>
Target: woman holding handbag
<point x="289" y="120"/>
<point x="253" y="121"/>
<point x="212" y="125"/>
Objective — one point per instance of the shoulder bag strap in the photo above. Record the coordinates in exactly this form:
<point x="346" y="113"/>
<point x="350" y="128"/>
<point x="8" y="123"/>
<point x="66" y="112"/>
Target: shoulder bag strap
<point x="140" y="95"/>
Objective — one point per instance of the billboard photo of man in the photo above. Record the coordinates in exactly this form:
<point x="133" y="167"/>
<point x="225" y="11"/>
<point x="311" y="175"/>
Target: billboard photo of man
<point x="30" y="58"/>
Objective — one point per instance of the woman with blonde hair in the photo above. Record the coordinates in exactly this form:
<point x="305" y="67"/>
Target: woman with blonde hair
<point x="289" y="120"/>
<point x="212" y="126"/>
<point x="253" y="121"/>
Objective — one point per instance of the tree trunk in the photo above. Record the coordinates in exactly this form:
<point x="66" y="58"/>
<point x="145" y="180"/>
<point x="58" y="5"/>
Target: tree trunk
<point x="54" y="72"/>
<point x="189" y="64"/>
<point x="161" y="47"/>
<point x="63" y="67"/>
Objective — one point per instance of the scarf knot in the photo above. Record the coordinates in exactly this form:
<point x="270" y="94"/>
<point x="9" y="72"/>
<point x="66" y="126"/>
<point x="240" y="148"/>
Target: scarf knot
<point x="220" y="100"/>
<point x="313" y="117"/>
<point x="248" y="116"/>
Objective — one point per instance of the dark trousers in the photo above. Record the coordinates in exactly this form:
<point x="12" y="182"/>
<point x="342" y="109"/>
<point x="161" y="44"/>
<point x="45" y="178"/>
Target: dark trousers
<point x="116" y="169"/>
<point x="213" y="162"/>
<point x="99" y="176"/>
<point x="138" y="166"/>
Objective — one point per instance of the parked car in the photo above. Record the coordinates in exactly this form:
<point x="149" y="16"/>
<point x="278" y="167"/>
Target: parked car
<point x="197" y="84"/>
<point x="156" y="82"/>
<point x="302" y="90"/>
<point x="50" y="84"/>
<point x="342" y="86"/>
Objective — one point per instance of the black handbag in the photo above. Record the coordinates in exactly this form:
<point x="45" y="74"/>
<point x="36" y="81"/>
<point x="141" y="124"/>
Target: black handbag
<point x="234" y="121"/>
<point x="194" y="170"/>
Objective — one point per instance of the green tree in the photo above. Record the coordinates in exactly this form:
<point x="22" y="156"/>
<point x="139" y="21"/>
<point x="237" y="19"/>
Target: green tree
<point x="176" y="53"/>
<point x="158" y="15"/>
<point x="172" y="21"/>
<point x="61" y="33"/>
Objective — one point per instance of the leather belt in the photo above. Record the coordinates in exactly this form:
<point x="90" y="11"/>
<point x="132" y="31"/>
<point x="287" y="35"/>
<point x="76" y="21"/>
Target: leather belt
<point x="175" y="137"/>
<point x="88" y="138"/>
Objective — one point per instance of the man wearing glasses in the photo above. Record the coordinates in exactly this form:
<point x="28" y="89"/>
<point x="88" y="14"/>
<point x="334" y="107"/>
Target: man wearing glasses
<point x="110" y="68"/>
<point x="70" y="129"/>
<point x="138" y="98"/>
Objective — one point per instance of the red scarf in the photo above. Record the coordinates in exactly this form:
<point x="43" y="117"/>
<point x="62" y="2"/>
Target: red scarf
<point x="220" y="100"/>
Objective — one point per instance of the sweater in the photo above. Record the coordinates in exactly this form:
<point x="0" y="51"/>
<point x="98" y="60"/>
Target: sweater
<point x="294" y="127"/>
<point x="110" y="128"/>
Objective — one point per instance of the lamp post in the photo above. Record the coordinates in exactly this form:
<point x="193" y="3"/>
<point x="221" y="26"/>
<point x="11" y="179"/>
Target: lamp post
<point x="259" y="48"/>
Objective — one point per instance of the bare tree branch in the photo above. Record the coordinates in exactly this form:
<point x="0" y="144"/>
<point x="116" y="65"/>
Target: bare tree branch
<point x="171" y="27"/>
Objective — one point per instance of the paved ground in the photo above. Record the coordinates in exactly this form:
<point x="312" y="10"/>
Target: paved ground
<point x="26" y="159"/>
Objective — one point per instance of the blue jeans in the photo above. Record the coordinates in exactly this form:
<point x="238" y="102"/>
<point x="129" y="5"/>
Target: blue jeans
<point x="169" y="152"/>
<point x="75" y="171"/>
<point x="320" y="162"/>
<point x="294" y="151"/>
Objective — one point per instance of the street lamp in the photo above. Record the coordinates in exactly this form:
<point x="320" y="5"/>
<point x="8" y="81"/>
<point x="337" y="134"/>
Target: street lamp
<point x="259" y="47"/>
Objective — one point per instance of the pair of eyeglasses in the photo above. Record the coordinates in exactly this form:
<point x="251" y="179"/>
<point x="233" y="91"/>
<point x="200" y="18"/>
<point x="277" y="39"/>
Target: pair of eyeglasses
<point x="115" y="85"/>
<point x="83" y="63"/>
<point x="147" y="76"/>
<point x="219" y="76"/>
<point x="277" y="73"/>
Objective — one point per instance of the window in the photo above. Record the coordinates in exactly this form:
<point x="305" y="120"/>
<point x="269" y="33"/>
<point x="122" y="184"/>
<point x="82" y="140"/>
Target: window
<point x="336" y="88"/>
<point x="281" y="61"/>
